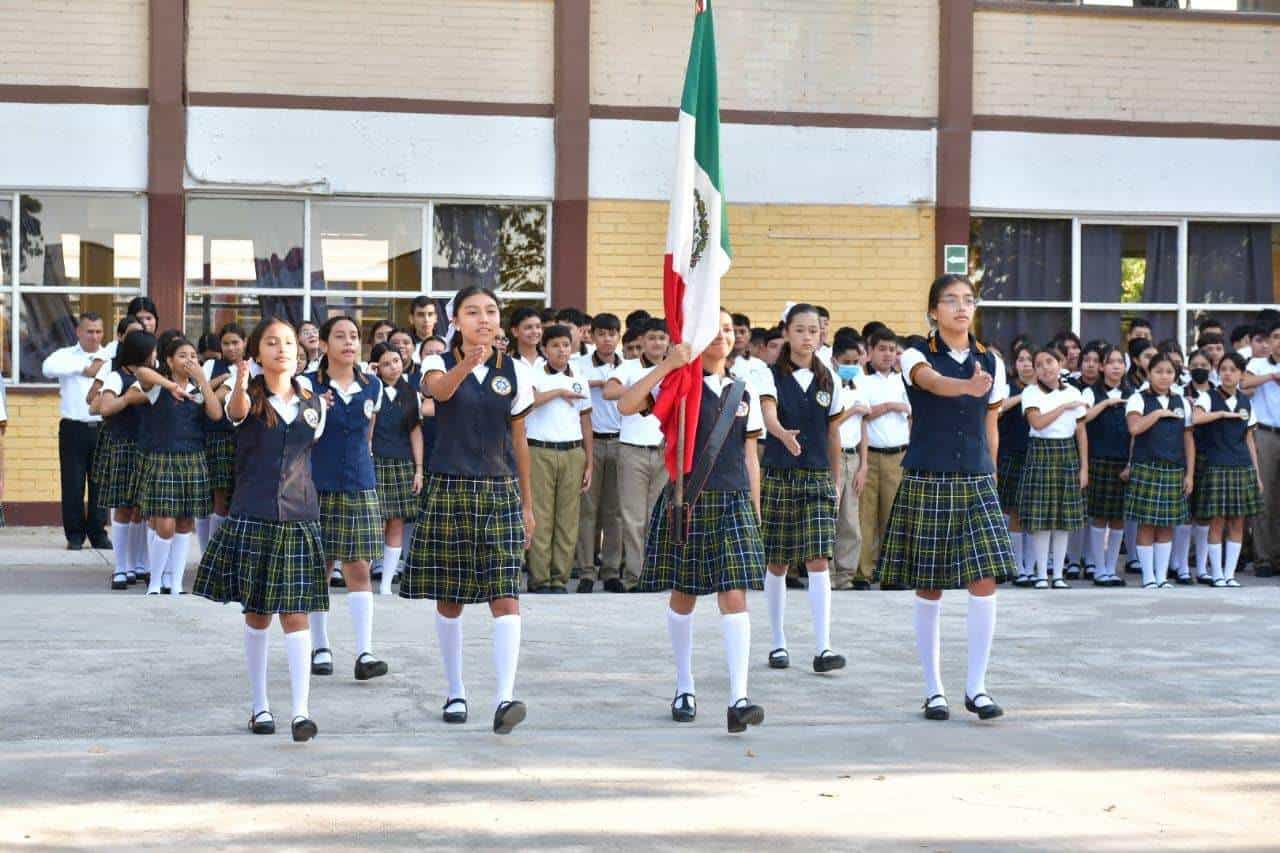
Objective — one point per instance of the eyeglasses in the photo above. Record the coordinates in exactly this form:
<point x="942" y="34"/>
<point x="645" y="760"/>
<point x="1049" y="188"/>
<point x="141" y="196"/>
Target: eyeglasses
<point x="954" y="302"/>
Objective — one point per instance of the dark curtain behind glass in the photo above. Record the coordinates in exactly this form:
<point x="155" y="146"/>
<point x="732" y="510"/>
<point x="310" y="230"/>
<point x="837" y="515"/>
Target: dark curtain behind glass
<point x="1000" y="326"/>
<point x="1025" y="259"/>
<point x="1161" y="284"/>
<point x="1230" y="262"/>
<point x="1101" y="249"/>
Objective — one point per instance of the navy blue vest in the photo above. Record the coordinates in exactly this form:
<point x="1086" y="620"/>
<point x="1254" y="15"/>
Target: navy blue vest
<point x="222" y="425"/>
<point x="273" y="466"/>
<point x="1223" y="442"/>
<point x="729" y="473"/>
<point x="1163" y="442"/>
<point x="395" y="421"/>
<point x="473" y="436"/>
<point x="341" y="461"/>
<point x="1109" y="432"/>
<point x="801" y="410"/>
<point x="124" y="424"/>
<point x="1014" y="430"/>
<point x="949" y="434"/>
<point x="175" y="426"/>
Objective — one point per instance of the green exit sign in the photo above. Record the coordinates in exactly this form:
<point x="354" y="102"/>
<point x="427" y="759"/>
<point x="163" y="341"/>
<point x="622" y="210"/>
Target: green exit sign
<point x="955" y="259"/>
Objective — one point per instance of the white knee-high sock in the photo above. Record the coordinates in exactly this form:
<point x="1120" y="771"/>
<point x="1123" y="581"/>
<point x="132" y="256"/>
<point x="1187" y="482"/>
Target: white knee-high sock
<point x="319" y="622"/>
<point x="680" y="630"/>
<point x="1015" y="539"/>
<point x="298" y="645"/>
<point x="390" y="556"/>
<point x="449" y="635"/>
<point x="178" y="560"/>
<point x="1114" y="539"/>
<point x="1232" y="560"/>
<point x="1058" y="548"/>
<point x="506" y="655"/>
<point x="980" y="624"/>
<point x="820" y="607"/>
<point x="1098" y="552"/>
<point x="256" y="643"/>
<point x="1213" y="551"/>
<point x="1162" y="551"/>
<point x="360" y="604"/>
<point x="1146" y="556"/>
<point x="775" y="593"/>
<point x="215" y="521"/>
<point x="157" y="558"/>
<point x="120" y="545"/>
<point x="1181" y="549"/>
<point x="1200" y="537"/>
<point x="138" y="545"/>
<point x="202" y="532"/>
<point x="737" y="652"/>
<point x="928" y="623"/>
<point x="1040" y="545"/>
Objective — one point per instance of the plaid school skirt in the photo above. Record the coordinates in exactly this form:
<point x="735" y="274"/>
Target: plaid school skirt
<point x="1155" y="494"/>
<point x="723" y="549"/>
<point x="265" y="566"/>
<point x="220" y="455"/>
<point x="395" y="487"/>
<point x="799" y="507"/>
<point x="468" y="545"/>
<point x="351" y="525"/>
<point x="174" y="485"/>
<point x="945" y="531"/>
<point x="117" y="466"/>
<point x="1009" y="479"/>
<point x="1104" y="499"/>
<point x="1049" y="497"/>
<point x="1224" y="492"/>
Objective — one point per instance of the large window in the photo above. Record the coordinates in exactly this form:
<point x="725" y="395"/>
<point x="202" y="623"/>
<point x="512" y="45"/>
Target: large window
<point x="63" y="254"/>
<point x="1194" y="5"/>
<point x="247" y="257"/>
<point x="1042" y="275"/>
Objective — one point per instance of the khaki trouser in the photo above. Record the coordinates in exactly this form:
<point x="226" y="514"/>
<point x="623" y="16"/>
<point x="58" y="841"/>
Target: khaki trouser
<point x="557" y="487"/>
<point x="642" y="475"/>
<point x="884" y="474"/>
<point x="600" y="518"/>
<point x="1266" y="524"/>
<point x="848" y="524"/>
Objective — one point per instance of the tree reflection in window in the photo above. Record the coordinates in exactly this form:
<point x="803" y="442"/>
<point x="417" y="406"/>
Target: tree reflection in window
<point x="503" y="247"/>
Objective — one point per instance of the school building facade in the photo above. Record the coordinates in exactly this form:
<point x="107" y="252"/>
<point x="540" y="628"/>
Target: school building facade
<point x="232" y="157"/>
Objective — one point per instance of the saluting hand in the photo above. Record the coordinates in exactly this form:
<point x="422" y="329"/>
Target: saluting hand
<point x="473" y="357"/>
<point x="980" y="382"/>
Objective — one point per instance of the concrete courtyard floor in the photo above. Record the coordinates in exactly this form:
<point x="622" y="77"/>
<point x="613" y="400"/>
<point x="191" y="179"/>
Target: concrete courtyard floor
<point x="1136" y="720"/>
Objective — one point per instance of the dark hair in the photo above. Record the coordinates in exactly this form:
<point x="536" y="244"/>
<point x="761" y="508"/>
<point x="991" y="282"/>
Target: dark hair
<point x="208" y="342"/>
<point x="1064" y="336"/>
<point x="1050" y="349"/>
<point x="1208" y="339"/>
<point x="547" y="315"/>
<point x="326" y="329"/>
<point x="124" y="322"/>
<point x="142" y="303"/>
<point x="257" y="387"/>
<point x="399" y="330"/>
<point x="1017" y="349"/>
<point x="844" y="343"/>
<point x="373" y="330"/>
<point x="402" y="385"/>
<point x="1272" y="326"/>
<point x="162" y="347"/>
<point x="772" y="335"/>
<point x="1235" y="358"/>
<point x="637" y="317"/>
<point x="231" y="329"/>
<point x="821" y="376"/>
<point x="823" y="313"/>
<point x="879" y="335"/>
<point x="740" y="320"/>
<point x="1169" y="345"/>
<point x="572" y="315"/>
<point x="462" y="296"/>
<point x="1243" y="331"/>
<point x="169" y="348"/>
<point x="1208" y="322"/>
<point x="630" y="335"/>
<point x="606" y="322"/>
<point x="1198" y="353"/>
<point x="421" y="302"/>
<point x="758" y="335"/>
<point x="134" y="350"/>
<point x="1139" y="322"/>
<point x="654" y="324"/>
<point x="550" y="333"/>
<point x="1161" y="358"/>
<point x="91" y="316"/>
<point x="942" y="282"/>
<point x="869" y="327"/>
<point x="518" y="316"/>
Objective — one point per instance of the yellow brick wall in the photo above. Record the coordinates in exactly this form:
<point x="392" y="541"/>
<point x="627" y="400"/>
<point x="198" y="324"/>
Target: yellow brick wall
<point x="483" y="50"/>
<point x="1175" y="70"/>
<point x="31" y="449"/>
<point x="859" y="56"/>
<point x="863" y="263"/>
<point x="80" y="43"/>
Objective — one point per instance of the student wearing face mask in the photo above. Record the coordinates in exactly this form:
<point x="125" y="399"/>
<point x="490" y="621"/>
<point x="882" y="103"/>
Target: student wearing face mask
<point x="1200" y="375"/>
<point x="846" y="572"/>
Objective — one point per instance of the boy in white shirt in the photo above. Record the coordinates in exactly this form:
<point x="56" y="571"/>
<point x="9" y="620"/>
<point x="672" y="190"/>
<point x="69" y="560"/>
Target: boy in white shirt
<point x="845" y="573"/>
<point x="599" y="522"/>
<point x="888" y="428"/>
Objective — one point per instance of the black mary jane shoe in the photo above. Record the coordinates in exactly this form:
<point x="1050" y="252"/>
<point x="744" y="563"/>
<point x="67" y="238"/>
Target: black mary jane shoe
<point x="614" y="585"/>
<point x="304" y="729"/>
<point x="828" y="661"/>
<point x="743" y="714"/>
<point x="262" y="723"/>
<point x="337" y="581"/>
<point x="1116" y="580"/>
<point x="779" y="659"/>
<point x="325" y="667"/>
<point x="1204" y="580"/>
<point x="937" y="712"/>
<point x="1072" y="572"/>
<point x="862" y="586"/>
<point x="586" y="585"/>
<point x="143" y="576"/>
<point x="988" y="711"/>
<point x="1185" y="580"/>
<point x="367" y="666"/>
<point x="684" y="708"/>
<point x="119" y="580"/>
<point x="455" y="716"/>
<point x="132" y="576"/>
<point x="508" y="716"/>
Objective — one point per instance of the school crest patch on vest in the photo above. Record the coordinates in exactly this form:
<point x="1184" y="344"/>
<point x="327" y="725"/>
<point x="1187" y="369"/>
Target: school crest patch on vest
<point x="311" y="417"/>
<point x="501" y="385"/>
<point x="743" y="409"/>
<point x="577" y="388"/>
<point x="368" y="408"/>
<point x="823" y="398"/>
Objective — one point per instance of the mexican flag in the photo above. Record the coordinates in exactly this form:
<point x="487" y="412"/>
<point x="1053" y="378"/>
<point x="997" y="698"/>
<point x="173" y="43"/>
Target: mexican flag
<point x="698" y="251"/>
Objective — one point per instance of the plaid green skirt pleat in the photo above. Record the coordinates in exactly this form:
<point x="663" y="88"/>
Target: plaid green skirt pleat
<point x="945" y="531"/>
<point x="1193" y="499"/>
<point x="117" y="467"/>
<point x="1009" y="479"/>
<point x="1049" y="497"/>
<point x="220" y="455"/>
<point x="174" y="485"/>
<point x="799" y="507"/>
<point x="723" y="549"/>
<point x="1104" y="499"/>
<point x="1223" y="492"/>
<point x="395" y="487"/>
<point x="265" y="566"/>
<point x="1154" y="495"/>
<point x="351" y="525"/>
<point x="468" y="544"/>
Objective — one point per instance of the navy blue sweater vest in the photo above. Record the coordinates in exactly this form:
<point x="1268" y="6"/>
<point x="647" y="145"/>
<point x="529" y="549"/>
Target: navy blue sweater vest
<point x="805" y="410"/>
<point x="124" y="424"/>
<point x="473" y="427"/>
<point x="949" y="434"/>
<point x="1014" y="430"/>
<point x="729" y="473"/>
<point x="175" y="426"/>
<point x="1223" y="442"/>
<point x="1109" y="432"/>
<point x="273" y="466"/>
<point x="395" y="422"/>
<point x="1163" y="442"/>
<point x="341" y="461"/>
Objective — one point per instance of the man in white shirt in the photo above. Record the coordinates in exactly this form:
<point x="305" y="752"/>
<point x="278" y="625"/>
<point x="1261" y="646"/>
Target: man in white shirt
<point x="75" y="368"/>
<point x="1262" y="383"/>
<point x="888" y="427"/>
<point x="599" y="523"/>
